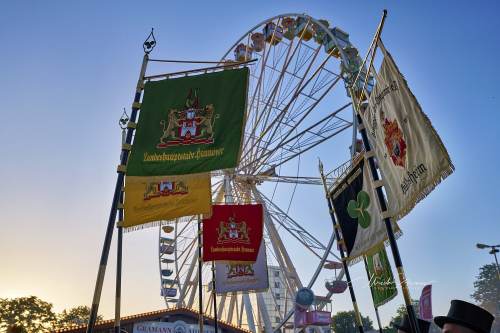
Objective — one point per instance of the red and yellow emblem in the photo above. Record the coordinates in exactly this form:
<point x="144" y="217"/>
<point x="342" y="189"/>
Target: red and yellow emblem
<point x="165" y="188"/>
<point x="239" y="270"/>
<point x="190" y="125"/>
<point x="233" y="232"/>
<point x="395" y="142"/>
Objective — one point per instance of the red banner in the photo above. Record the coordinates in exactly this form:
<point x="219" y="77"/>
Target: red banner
<point x="233" y="233"/>
<point x="426" y="303"/>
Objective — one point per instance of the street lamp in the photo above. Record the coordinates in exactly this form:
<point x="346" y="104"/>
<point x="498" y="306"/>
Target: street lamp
<point x="494" y="250"/>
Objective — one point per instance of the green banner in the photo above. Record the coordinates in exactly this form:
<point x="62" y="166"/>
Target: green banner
<point x="381" y="279"/>
<point x="190" y="125"/>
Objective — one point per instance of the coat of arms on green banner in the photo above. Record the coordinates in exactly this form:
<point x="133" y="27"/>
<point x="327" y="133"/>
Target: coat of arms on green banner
<point x="381" y="279"/>
<point x="190" y="125"/>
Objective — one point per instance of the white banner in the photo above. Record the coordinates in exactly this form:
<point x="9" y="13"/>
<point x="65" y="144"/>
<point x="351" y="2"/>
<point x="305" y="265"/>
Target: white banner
<point x="240" y="276"/>
<point x="358" y="213"/>
<point x="411" y="156"/>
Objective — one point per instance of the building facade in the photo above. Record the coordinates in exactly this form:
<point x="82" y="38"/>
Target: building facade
<point x="180" y="320"/>
<point x="278" y="301"/>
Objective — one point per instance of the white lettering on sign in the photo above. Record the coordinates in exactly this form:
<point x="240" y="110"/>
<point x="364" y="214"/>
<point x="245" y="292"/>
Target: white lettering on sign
<point x="167" y="327"/>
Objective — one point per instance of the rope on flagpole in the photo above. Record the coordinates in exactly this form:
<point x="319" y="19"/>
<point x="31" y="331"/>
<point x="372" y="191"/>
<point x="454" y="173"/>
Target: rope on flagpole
<point x="341" y="249"/>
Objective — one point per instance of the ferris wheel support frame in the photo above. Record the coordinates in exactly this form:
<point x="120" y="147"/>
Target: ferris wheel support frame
<point x="268" y="126"/>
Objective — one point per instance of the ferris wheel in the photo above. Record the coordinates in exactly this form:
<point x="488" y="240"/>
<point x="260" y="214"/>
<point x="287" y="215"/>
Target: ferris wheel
<point x="297" y="102"/>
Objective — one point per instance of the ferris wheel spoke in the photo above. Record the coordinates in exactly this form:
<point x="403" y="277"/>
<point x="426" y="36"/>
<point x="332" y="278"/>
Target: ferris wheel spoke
<point x="279" y="117"/>
<point x="276" y="86"/>
<point x="259" y="178"/>
<point x="294" y="228"/>
<point x="258" y="116"/>
<point x="310" y="146"/>
<point x="319" y="129"/>
<point x="290" y="285"/>
<point x="301" y="142"/>
<point x="307" y="112"/>
<point x="187" y="280"/>
<point x="278" y="246"/>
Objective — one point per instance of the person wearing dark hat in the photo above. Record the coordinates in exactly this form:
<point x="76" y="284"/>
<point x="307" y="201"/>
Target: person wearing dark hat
<point x="404" y="325"/>
<point x="464" y="317"/>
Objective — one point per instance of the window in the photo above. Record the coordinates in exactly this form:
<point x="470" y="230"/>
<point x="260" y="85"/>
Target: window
<point x="276" y="273"/>
<point x="277" y="307"/>
<point x="277" y="319"/>
<point x="276" y="284"/>
<point x="277" y="296"/>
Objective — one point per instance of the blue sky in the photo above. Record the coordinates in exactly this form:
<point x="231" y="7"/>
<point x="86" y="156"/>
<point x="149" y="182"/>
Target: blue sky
<point x="68" y="69"/>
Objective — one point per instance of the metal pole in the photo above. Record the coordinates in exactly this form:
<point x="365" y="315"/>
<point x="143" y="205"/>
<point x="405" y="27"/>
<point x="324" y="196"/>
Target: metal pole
<point x="118" y="290"/>
<point x="390" y="233"/>
<point x="383" y="205"/>
<point x="216" y="324"/>
<point x="494" y="252"/>
<point x="342" y="255"/>
<point x="371" y="292"/>
<point x="200" y="278"/>
<point x="117" y="193"/>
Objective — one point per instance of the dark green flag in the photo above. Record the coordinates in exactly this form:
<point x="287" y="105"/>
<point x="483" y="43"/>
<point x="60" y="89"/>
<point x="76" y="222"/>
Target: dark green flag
<point x="381" y="279"/>
<point x="190" y="125"/>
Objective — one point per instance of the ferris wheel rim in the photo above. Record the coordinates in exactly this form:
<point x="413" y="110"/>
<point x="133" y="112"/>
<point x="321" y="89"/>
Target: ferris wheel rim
<point x="304" y="15"/>
<point x="270" y="158"/>
<point x="316" y="22"/>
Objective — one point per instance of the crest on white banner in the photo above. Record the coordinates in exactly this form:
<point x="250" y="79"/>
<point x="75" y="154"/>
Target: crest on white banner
<point x="410" y="153"/>
<point x="242" y="276"/>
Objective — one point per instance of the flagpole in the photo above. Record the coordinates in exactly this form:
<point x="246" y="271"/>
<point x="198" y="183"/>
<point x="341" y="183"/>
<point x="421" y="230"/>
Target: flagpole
<point x="116" y="195"/>
<point x="119" y="244"/>
<point x="200" y="278"/>
<point x="390" y="232"/>
<point x="380" y="194"/>
<point x="341" y="249"/>
<point x="118" y="287"/>
<point x="371" y="292"/>
<point x="216" y="324"/>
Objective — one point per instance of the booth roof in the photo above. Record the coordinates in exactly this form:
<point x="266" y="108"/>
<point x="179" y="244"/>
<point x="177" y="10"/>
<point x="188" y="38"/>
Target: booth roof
<point x="151" y="315"/>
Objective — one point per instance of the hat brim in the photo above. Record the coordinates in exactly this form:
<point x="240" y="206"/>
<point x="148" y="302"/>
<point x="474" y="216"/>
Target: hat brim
<point x="441" y="320"/>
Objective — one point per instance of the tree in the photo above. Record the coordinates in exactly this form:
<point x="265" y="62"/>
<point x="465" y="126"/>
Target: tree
<point x="75" y="316"/>
<point x="26" y="314"/>
<point x="487" y="288"/>
<point x="345" y="322"/>
<point x="400" y="312"/>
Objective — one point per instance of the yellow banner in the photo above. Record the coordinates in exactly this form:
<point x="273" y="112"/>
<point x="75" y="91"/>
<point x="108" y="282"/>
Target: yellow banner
<point x="150" y="199"/>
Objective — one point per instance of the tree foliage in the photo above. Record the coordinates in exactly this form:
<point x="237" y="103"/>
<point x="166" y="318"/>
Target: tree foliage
<point x="487" y="288"/>
<point x="26" y="314"/>
<point x="400" y="312"/>
<point x="75" y="316"/>
<point x="345" y="322"/>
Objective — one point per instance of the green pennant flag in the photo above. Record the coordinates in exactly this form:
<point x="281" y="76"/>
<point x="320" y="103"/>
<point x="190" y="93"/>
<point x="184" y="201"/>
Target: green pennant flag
<point x="190" y="125"/>
<point x="381" y="279"/>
